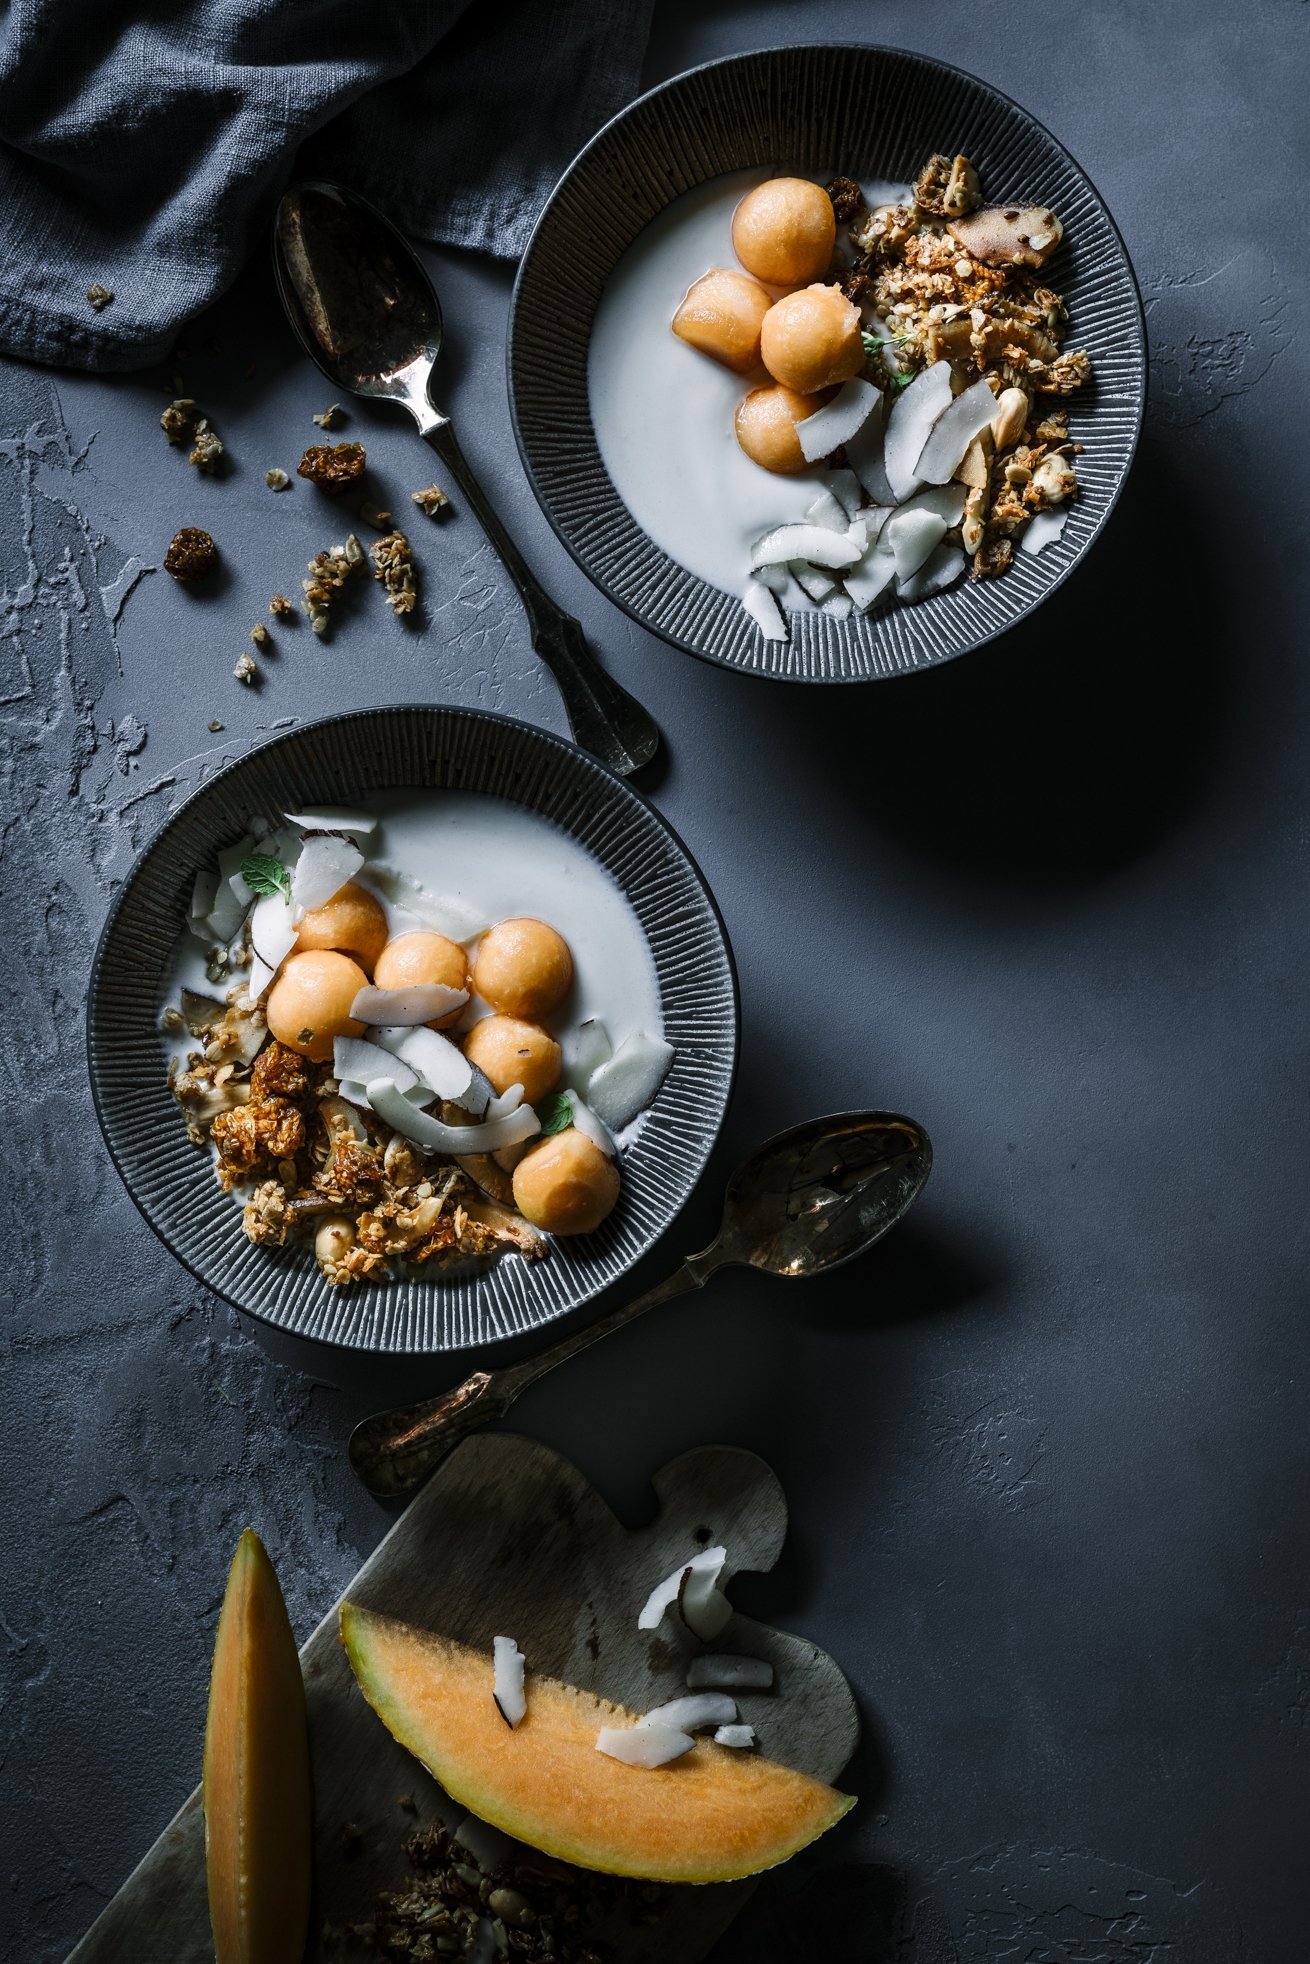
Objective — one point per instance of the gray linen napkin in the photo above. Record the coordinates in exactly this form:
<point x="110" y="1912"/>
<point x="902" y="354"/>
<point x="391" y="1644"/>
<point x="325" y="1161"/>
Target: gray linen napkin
<point x="143" y="143"/>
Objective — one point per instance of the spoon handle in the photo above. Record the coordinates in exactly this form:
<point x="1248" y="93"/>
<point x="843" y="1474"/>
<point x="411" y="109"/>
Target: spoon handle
<point x="394" y="1451"/>
<point x="604" y="718"/>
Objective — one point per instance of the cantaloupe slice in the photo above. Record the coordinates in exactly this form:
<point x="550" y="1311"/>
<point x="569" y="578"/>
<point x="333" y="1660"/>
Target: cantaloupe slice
<point x="711" y="1816"/>
<point x="257" y="1795"/>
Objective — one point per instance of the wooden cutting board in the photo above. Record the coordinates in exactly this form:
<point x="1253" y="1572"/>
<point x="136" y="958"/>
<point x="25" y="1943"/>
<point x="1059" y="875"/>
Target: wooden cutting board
<point x="509" y="1537"/>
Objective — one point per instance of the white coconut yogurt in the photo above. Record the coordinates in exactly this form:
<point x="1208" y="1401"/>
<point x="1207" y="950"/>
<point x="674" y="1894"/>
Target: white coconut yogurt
<point x="663" y="412"/>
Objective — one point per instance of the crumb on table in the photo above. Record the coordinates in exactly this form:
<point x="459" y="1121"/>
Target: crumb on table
<point x="99" y="296"/>
<point x="277" y="480"/>
<point x="191" y="554"/>
<point x="332" y="466"/>
<point x="433" y="500"/>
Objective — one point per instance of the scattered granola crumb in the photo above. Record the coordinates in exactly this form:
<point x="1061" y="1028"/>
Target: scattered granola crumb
<point x="281" y="606"/>
<point x="191" y="555"/>
<point x="245" y="670"/>
<point x="99" y="296"/>
<point x="207" y="447"/>
<point x="214" y="724"/>
<point x="277" y="480"/>
<point x="330" y="418"/>
<point x="332" y="466"/>
<point x="329" y="570"/>
<point x="177" y="419"/>
<point x="393" y="565"/>
<point x="433" y="501"/>
<point x="379" y="520"/>
<point x="259" y="634"/>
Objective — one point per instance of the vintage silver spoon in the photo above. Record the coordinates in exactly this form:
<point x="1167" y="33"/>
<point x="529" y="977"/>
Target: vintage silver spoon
<point x="807" y="1201"/>
<point x="367" y="313"/>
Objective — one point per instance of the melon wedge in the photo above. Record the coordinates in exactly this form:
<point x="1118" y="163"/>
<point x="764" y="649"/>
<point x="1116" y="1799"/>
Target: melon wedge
<point x="711" y="1816"/>
<point x="257" y="1795"/>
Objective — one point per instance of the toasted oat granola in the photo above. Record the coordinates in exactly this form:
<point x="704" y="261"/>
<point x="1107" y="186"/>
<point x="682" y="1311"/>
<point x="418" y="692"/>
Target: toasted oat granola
<point x="99" y="296"/>
<point x="432" y="500"/>
<point x="333" y="466"/>
<point x="329" y="571"/>
<point x="393" y="565"/>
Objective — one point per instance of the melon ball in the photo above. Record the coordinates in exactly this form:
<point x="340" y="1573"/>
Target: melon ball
<point x="524" y="968"/>
<point x="352" y="922"/>
<point x="721" y="315"/>
<point x="309" y="1004"/>
<point x="423" y="957"/>
<point x="566" y="1185"/>
<point x="811" y="339"/>
<point x="765" y="423"/>
<point x="784" y="231"/>
<point x="509" y="1051"/>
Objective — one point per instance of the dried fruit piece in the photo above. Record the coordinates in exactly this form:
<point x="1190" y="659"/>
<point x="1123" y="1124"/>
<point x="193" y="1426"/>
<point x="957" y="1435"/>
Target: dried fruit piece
<point x="191" y="555"/>
<point x="847" y="199"/>
<point x="332" y="466"/>
<point x="393" y="565"/>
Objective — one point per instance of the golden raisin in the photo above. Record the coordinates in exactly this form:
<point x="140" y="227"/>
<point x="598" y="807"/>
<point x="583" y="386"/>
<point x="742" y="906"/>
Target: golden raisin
<point x="332" y="466"/>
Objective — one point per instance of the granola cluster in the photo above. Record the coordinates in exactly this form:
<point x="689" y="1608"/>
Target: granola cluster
<point x="329" y="571"/>
<point x="332" y="466"/>
<point x="313" y="1165"/>
<point x="183" y="419"/>
<point x="393" y="565"/>
<point x="191" y="554"/>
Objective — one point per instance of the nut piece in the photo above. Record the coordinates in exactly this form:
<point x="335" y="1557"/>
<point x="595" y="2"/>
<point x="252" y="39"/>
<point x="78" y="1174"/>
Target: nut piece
<point x="332" y="466"/>
<point x="191" y="555"/>
<point x="281" y="606"/>
<point x="1009" y="235"/>
<point x="1007" y="424"/>
<point x="245" y="670"/>
<point x="1054" y="480"/>
<point x="177" y="419"/>
<point x="259" y="634"/>
<point x="277" y="480"/>
<point x="948" y="188"/>
<point x="99" y="296"/>
<point x="433" y="501"/>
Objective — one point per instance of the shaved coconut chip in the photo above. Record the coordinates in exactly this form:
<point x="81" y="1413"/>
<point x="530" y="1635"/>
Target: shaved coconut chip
<point x="627" y="1083"/>
<point x="419" y="1002"/>
<point x="433" y="1136"/>
<point x="943" y="500"/>
<point x="439" y="1063"/>
<point x="643" y="1745"/>
<point x="354" y="1057"/>
<point x="487" y="1845"/>
<point x="1045" y="528"/>
<point x="591" y="1047"/>
<point x="229" y="910"/>
<point x="204" y="892"/>
<point x="442" y="912"/>
<point x="839" y="605"/>
<point x="858" y="534"/>
<point x="763" y="608"/>
<point x="333" y="818"/>
<point x="911" y="536"/>
<point x="828" y="513"/>
<point x="509" y="1101"/>
<point x="845" y="488"/>
<point x="954" y="431"/>
<point x="355" y="1091"/>
<point x="260" y="977"/>
<point x="837" y="422"/>
<point x="864" y="453"/>
<point x="910" y="424"/>
<point x="693" y="1714"/>
<point x="702" y="1606"/>
<point x="941" y="569"/>
<point x="774" y="578"/>
<point x="808" y="542"/>
<point x="716" y="1670"/>
<point x="874" y="574"/>
<point x="740" y="1736"/>
<point x="507" y="1680"/>
<point x="812" y="582"/>
<point x="665" y="1593"/>
<point x="873" y="518"/>
<point x="590" y="1126"/>
<point x="272" y="930"/>
<point x="325" y="864"/>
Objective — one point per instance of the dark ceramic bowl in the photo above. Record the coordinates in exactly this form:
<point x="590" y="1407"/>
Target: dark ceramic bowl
<point x="871" y="113"/>
<point x="342" y="761"/>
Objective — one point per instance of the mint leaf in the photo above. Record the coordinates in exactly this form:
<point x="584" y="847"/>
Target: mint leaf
<point x="264" y="874"/>
<point x="555" y="1113"/>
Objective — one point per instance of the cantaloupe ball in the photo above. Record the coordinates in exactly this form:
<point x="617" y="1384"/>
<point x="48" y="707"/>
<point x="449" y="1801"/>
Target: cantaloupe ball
<point x="309" y="1004"/>
<point x="509" y="1051"/>
<point x="811" y="339"/>
<point x="524" y="968"/>
<point x="765" y="423"/>
<point x="566" y="1185"/>
<point x="784" y="231"/>
<point x="721" y="315"/>
<point x="424" y="957"/>
<point x="352" y="922"/>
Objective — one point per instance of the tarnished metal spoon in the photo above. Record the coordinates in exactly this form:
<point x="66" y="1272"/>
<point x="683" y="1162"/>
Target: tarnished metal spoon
<point x="367" y="313"/>
<point x="807" y="1201"/>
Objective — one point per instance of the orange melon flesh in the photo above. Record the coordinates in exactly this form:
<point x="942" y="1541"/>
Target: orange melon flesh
<point x="256" y="1786"/>
<point x="711" y="1816"/>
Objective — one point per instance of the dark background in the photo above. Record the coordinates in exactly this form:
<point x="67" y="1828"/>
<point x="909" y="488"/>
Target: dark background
<point x="1045" y="1449"/>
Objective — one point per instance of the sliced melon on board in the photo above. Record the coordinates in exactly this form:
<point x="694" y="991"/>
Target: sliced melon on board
<point x="711" y="1816"/>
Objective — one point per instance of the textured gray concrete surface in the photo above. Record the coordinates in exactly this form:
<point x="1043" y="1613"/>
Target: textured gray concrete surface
<point x="1046" y="1450"/>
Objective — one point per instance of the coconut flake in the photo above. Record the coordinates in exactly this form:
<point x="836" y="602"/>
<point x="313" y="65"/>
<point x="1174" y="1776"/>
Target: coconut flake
<point x="591" y="1047"/>
<point x="489" y="1848"/>
<point x="828" y="513"/>
<point x="872" y="577"/>
<point x="355" y="1057"/>
<point x="586" y="1122"/>
<point x="808" y="542"/>
<point x="432" y="1135"/>
<point x="839" y="605"/>
<point x="229" y="910"/>
<point x="864" y="453"/>
<point x="509" y="1101"/>
<point x="943" y="500"/>
<point x="419" y="1002"/>
<point x="1044" y="530"/>
<point x="739" y="1736"/>
<point x="815" y="584"/>
<point x="627" y="1083"/>
<point x="333" y="818"/>
<point x="721" y="1671"/>
<point x="763" y="608"/>
<point x="204" y="892"/>
<point x="838" y="421"/>
<point x="442" y="912"/>
<point x="439" y="1063"/>
<point x="643" y="1745"/>
<point x="941" y="569"/>
<point x="844" y="486"/>
<point x="910" y="424"/>
<point x="272" y="931"/>
<point x="693" y="1714"/>
<point x="702" y="1606"/>
<point x="665" y="1593"/>
<point x="911" y="536"/>
<point x="966" y="417"/>
<point x="325" y="864"/>
<point x="507" y="1680"/>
